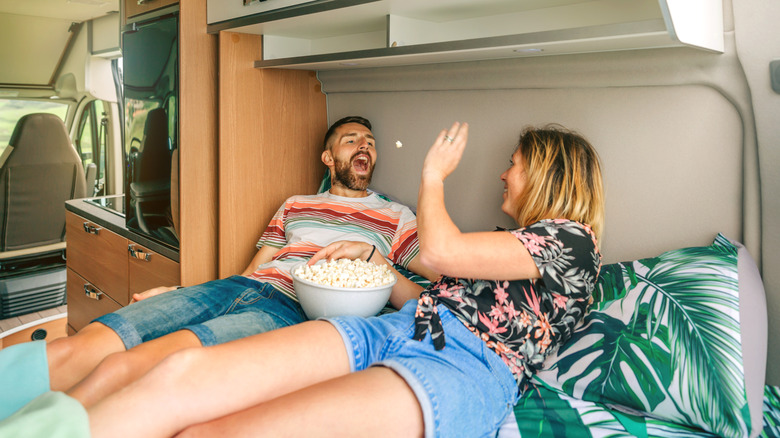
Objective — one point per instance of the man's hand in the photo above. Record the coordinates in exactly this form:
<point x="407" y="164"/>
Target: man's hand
<point x="152" y="292"/>
<point x="344" y="249"/>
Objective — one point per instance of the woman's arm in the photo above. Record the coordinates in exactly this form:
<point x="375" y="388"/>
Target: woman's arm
<point x="443" y="247"/>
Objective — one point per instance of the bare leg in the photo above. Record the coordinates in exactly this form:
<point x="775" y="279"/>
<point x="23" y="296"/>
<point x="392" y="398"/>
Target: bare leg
<point x="120" y="369"/>
<point x="202" y="384"/>
<point x="375" y="402"/>
<point x="74" y="357"/>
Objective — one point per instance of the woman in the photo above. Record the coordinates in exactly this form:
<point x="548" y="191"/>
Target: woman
<point x="450" y="364"/>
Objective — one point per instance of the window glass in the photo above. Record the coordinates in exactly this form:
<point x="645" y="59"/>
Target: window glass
<point x="11" y="110"/>
<point x="91" y="141"/>
<point x="84" y="140"/>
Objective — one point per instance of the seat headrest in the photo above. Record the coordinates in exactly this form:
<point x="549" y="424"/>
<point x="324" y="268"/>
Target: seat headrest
<point x="41" y="138"/>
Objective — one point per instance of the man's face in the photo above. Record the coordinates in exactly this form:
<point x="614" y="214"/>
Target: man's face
<point x="354" y="156"/>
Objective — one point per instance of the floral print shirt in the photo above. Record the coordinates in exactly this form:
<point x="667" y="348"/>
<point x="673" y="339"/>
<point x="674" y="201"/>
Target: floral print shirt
<point x="523" y="321"/>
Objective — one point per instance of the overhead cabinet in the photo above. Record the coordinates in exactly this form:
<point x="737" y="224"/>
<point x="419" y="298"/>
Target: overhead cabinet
<point x="339" y="34"/>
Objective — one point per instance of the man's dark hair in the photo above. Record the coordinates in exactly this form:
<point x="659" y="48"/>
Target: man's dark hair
<point x="343" y="121"/>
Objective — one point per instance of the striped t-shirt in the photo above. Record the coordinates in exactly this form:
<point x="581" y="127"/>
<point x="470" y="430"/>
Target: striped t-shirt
<point x="305" y="224"/>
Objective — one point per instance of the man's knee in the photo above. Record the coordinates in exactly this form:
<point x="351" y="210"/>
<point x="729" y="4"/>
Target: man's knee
<point x="95" y="337"/>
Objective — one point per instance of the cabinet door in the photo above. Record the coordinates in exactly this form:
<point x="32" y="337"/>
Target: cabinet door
<point x="86" y="302"/>
<point x="98" y="255"/>
<point x="138" y="7"/>
<point x="147" y="269"/>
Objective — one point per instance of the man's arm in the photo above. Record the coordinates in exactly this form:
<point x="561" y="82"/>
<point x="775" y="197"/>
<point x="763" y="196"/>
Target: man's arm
<point x="264" y="255"/>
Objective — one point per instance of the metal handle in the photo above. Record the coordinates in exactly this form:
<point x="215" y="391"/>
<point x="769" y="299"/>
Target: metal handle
<point x="141" y="2"/>
<point x="91" y="229"/>
<point x="91" y="292"/>
<point x="139" y="254"/>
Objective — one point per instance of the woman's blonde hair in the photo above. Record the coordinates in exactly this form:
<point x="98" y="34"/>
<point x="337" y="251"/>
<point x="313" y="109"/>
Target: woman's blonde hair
<point x="563" y="178"/>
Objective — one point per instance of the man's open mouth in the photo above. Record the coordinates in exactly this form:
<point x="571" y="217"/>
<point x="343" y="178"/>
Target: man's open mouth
<point x="361" y="163"/>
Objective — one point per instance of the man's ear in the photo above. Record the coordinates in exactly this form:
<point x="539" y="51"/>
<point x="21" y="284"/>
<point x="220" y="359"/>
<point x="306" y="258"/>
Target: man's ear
<point x="327" y="157"/>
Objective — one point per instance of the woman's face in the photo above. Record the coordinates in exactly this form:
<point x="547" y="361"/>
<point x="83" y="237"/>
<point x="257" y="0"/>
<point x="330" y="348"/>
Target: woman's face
<point x="514" y="183"/>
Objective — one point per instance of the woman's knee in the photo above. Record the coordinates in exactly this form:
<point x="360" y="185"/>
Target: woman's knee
<point x="174" y="369"/>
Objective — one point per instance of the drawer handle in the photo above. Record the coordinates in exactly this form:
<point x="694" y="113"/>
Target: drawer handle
<point x="139" y="254"/>
<point x="91" y="292"/>
<point x="141" y="2"/>
<point x="91" y="229"/>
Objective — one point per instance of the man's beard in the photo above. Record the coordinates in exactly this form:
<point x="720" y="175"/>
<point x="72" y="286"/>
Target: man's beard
<point x="348" y="179"/>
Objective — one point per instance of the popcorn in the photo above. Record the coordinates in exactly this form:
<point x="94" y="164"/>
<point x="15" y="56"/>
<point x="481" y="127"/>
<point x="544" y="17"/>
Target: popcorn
<point x="346" y="273"/>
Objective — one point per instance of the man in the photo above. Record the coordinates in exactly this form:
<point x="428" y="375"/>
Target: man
<point x="119" y="347"/>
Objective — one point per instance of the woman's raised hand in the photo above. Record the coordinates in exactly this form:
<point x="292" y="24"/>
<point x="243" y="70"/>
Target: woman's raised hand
<point x="445" y="154"/>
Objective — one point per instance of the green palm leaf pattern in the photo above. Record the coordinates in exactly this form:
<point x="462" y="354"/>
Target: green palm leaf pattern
<point x="618" y="367"/>
<point x="771" y="412"/>
<point x="663" y="338"/>
<point x="543" y="412"/>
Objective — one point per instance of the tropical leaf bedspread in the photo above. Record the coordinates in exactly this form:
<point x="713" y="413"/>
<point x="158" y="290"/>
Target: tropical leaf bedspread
<point x="660" y="354"/>
<point x="544" y="413"/>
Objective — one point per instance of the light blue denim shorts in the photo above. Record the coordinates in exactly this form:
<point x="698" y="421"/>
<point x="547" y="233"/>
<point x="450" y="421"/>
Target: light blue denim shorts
<point x="218" y="311"/>
<point x="464" y="389"/>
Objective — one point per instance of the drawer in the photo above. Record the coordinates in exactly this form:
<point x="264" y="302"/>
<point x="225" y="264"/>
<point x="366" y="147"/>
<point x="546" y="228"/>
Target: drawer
<point x="82" y="308"/>
<point x="137" y="7"/>
<point x="99" y="255"/>
<point x="147" y="269"/>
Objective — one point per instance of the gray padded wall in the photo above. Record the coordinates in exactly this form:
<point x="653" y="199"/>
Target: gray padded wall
<point x="671" y="180"/>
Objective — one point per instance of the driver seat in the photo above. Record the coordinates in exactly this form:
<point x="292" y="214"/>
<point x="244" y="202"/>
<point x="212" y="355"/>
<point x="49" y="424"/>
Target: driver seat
<point x="39" y="170"/>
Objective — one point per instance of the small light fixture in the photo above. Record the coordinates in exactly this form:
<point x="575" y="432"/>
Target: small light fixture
<point x="529" y="50"/>
<point x="349" y="64"/>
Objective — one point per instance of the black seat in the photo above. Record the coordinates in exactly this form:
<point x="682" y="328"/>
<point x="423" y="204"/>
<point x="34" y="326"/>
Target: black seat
<point x="39" y="170"/>
<point x="150" y="188"/>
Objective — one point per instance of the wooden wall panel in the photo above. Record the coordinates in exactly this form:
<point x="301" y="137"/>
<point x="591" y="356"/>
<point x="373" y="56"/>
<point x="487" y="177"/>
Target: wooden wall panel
<point x="271" y="127"/>
<point x="198" y="138"/>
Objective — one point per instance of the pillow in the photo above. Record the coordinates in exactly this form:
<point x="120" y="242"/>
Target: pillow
<point x="663" y="337"/>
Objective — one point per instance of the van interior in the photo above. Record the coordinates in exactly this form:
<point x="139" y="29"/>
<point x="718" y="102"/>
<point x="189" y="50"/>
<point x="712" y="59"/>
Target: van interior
<point x="149" y="143"/>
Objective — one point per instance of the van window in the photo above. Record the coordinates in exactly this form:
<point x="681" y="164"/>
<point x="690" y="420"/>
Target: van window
<point x="11" y="110"/>
<point x="90" y="141"/>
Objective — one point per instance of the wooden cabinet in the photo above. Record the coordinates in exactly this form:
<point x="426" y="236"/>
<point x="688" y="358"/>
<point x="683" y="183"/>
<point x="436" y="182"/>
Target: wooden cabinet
<point x="138" y="7"/>
<point x="106" y="269"/>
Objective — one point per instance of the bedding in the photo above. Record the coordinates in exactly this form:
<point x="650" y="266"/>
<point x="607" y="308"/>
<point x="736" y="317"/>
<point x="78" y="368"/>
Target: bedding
<point x="660" y="354"/>
<point x="545" y="413"/>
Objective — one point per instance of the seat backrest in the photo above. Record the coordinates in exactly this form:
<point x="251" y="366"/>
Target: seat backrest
<point x="155" y="161"/>
<point x="42" y="171"/>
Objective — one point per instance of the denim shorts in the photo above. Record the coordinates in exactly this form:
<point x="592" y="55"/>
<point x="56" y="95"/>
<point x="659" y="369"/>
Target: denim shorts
<point x="464" y="389"/>
<point x="218" y="311"/>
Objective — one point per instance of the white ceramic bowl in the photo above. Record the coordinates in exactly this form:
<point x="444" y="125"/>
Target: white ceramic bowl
<point x="319" y="300"/>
